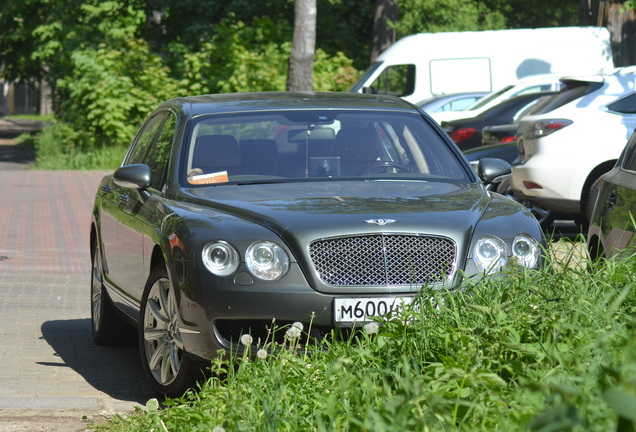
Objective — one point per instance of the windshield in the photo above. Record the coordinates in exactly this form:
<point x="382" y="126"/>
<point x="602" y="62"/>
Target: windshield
<point x="315" y="145"/>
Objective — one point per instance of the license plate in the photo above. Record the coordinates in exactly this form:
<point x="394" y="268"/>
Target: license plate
<point x="362" y="309"/>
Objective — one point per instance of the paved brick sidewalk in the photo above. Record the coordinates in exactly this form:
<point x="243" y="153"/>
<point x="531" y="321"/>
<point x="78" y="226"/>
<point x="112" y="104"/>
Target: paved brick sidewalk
<point x="50" y="364"/>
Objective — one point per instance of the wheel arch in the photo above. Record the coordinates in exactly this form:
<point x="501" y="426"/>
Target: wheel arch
<point x="157" y="258"/>
<point x="591" y="178"/>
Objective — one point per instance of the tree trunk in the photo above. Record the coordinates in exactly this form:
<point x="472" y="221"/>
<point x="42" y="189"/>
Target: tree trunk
<point x="301" y="60"/>
<point x="386" y="11"/>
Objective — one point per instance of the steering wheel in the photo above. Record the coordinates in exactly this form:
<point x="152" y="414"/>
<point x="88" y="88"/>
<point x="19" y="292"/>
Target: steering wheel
<point x="378" y="164"/>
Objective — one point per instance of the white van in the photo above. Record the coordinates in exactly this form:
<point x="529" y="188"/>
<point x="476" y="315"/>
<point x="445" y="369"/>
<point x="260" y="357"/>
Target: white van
<point x="428" y="64"/>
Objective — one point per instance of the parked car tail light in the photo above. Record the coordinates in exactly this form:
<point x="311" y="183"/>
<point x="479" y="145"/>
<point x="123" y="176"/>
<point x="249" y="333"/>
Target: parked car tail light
<point x="508" y="139"/>
<point x="266" y="260"/>
<point x="220" y="258"/>
<point x="462" y="134"/>
<point x="531" y="185"/>
<point x="546" y="127"/>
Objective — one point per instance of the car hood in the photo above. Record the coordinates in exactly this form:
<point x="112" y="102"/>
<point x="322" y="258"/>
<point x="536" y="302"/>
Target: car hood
<point x="324" y="209"/>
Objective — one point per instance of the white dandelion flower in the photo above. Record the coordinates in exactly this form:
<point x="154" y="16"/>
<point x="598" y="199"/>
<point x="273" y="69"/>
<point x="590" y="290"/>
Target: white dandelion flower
<point x="261" y="354"/>
<point x="246" y="340"/>
<point x="218" y="429"/>
<point x="371" y="328"/>
<point x="295" y="330"/>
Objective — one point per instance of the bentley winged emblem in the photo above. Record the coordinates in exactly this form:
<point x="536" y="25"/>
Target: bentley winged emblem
<point x="380" y="222"/>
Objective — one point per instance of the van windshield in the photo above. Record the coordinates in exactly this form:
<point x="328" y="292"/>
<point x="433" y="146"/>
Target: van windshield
<point x="394" y="80"/>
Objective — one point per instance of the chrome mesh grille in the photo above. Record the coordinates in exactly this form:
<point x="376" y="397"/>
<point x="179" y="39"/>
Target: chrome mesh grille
<point x="383" y="259"/>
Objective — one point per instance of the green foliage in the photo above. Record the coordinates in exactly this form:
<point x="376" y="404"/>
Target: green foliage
<point x="110" y="62"/>
<point x="57" y="148"/>
<point x="545" y="351"/>
<point x="540" y="13"/>
<point x="107" y="99"/>
<point x="254" y="57"/>
<point x="419" y="16"/>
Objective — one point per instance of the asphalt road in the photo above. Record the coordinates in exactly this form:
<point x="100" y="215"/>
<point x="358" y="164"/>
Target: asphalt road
<point x="53" y="377"/>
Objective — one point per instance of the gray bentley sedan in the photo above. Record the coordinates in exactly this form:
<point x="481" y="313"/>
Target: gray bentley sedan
<point x="231" y="211"/>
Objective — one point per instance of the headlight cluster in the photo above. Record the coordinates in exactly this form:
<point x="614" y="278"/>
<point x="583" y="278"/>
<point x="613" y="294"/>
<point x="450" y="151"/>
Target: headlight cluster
<point x="490" y="253"/>
<point x="264" y="259"/>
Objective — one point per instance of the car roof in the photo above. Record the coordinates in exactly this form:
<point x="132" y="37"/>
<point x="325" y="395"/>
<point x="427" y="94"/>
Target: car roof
<point x="261" y="101"/>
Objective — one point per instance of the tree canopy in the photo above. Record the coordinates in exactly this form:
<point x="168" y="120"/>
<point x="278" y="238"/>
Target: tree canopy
<point x="108" y="62"/>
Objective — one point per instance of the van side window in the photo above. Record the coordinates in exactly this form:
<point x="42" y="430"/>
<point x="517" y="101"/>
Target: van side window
<point x="398" y="80"/>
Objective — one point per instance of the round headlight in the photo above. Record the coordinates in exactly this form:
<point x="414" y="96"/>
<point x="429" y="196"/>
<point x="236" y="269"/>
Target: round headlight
<point x="490" y="254"/>
<point x="525" y="250"/>
<point x="266" y="260"/>
<point x="220" y="258"/>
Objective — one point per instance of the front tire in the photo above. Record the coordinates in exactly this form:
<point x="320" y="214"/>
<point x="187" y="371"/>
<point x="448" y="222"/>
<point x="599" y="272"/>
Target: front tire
<point x="168" y="367"/>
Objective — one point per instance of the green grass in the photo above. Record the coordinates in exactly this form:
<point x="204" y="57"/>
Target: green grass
<point x="57" y="148"/>
<point x="553" y="350"/>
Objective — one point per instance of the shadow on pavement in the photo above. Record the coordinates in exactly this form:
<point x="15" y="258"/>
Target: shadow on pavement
<point x="115" y="371"/>
<point x="16" y="154"/>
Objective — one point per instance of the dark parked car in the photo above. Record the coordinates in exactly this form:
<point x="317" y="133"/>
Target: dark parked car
<point x="612" y="228"/>
<point x="467" y="132"/>
<point x="506" y="151"/>
<point x="230" y="211"/>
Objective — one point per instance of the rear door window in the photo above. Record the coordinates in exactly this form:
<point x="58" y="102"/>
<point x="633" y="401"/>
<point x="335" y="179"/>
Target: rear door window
<point x="625" y="105"/>
<point x="398" y="80"/>
<point x="572" y="91"/>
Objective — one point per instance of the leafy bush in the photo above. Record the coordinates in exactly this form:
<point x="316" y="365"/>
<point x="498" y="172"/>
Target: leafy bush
<point x="545" y="351"/>
<point x="108" y="97"/>
<point x="247" y="58"/>
<point x="57" y="148"/>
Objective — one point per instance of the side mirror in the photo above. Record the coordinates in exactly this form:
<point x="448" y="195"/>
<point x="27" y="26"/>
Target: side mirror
<point x="135" y="176"/>
<point x="493" y="171"/>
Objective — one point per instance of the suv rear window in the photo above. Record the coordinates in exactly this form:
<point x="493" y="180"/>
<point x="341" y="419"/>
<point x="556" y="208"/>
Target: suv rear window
<point x="573" y="90"/>
<point x="626" y="105"/>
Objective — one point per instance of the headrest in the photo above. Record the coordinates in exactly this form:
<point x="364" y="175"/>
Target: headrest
<point x="357" y="144"/>
<point x="216" y="151"/>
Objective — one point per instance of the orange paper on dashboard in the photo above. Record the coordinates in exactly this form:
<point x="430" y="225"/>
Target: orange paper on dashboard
<point x="218" y="177"/>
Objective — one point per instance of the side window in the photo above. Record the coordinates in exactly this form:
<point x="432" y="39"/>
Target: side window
<point x="626" y="105"/>
<point x="144" y="139"/>
<point x="159" y="155"/>
<point x="630" y="158"/>
<point x="396" y="80"/>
